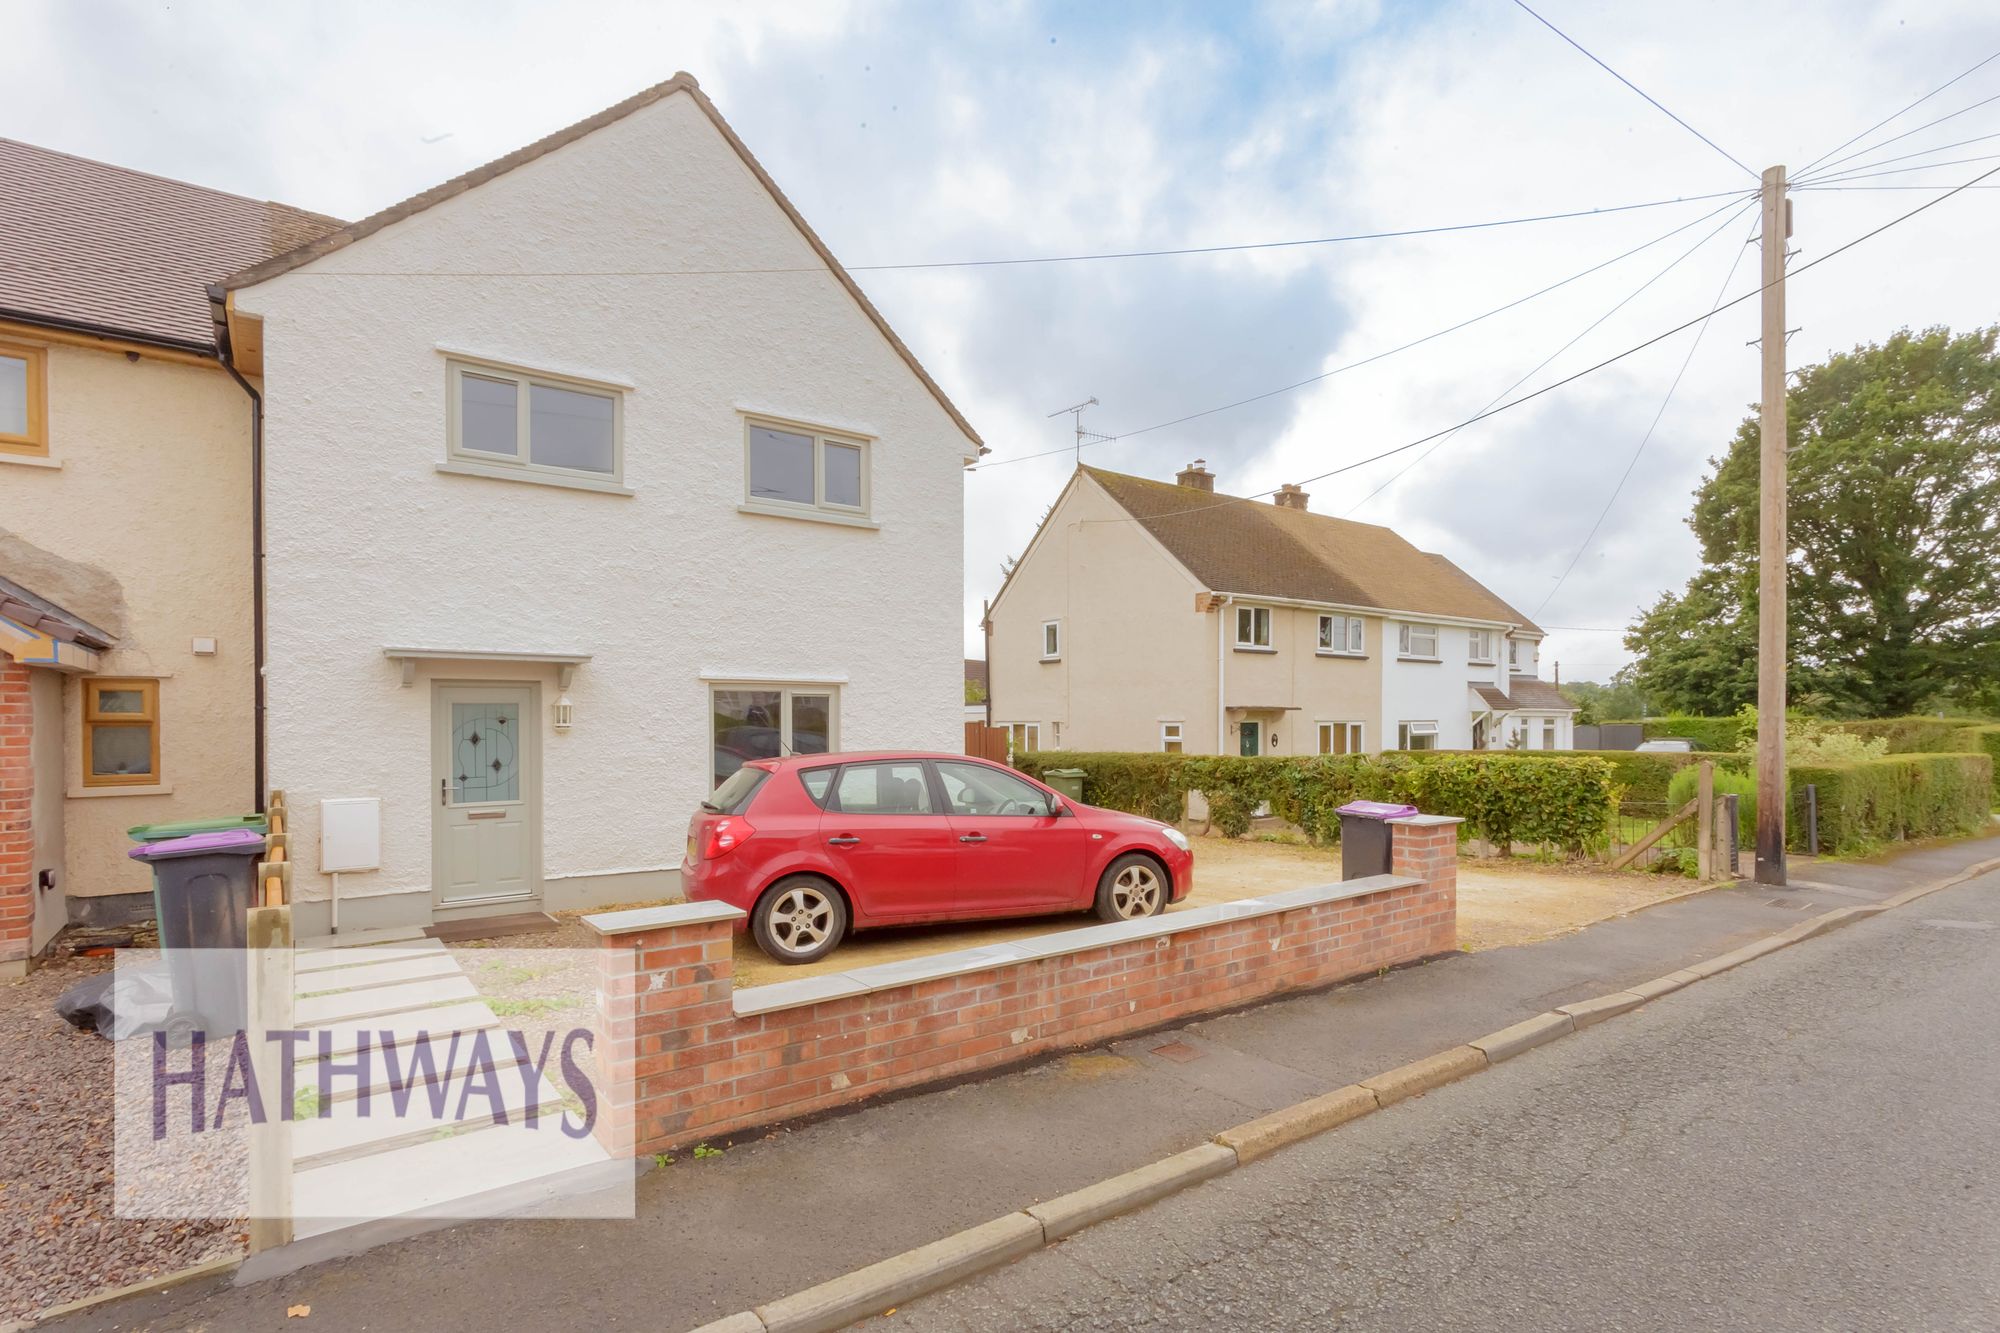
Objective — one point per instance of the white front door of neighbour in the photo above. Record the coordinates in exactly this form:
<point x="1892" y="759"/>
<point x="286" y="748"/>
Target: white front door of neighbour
<point x="485" y="791"/>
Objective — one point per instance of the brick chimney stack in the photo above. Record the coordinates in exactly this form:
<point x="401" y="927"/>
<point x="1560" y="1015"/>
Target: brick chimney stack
<point x="1289" y="496"/>
<point x="1196" y="475"/>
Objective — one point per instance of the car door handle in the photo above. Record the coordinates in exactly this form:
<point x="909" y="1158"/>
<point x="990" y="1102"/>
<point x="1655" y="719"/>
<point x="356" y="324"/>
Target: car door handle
<point x="972" y="837"/>
<point x="844" y="840"/>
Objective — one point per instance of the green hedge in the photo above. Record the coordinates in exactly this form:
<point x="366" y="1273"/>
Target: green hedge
<point x="1743" y="786"/>
<point x="1865" y="804"/>
<point x="1644" y="775"/>
<point x="1560" y="799"/>
<point x="1914" y="735"/>
<point x="1980" y="740"/>
<point x="1708" y="733"/>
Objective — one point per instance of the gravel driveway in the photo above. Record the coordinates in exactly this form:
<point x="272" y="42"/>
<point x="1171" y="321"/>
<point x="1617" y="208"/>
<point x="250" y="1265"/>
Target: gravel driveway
<point x="58" y="1238"/>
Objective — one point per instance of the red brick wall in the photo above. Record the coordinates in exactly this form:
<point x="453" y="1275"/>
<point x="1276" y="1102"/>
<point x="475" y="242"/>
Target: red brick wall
<point x="17" y="800"/>
<point x="679" y="1065"/>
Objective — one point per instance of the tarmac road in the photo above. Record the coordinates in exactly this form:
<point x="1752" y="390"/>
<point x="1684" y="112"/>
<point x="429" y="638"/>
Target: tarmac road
<point x="1811" y="1141"/>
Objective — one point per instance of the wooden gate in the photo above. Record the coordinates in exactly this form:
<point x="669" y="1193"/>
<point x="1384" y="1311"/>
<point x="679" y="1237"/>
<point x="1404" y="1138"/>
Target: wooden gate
<point x="984" y="742"/>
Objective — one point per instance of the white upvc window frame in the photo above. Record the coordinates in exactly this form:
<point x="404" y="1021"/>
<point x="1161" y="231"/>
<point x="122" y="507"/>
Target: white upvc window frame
<point x="1052" y="629"/>
<point x="1406" y="638"/>
<point x="821" y="507"/>
<point x="1551" y="730"/>
<point x="521" y="462"/>
<point x="1408" y="731"/>
<point x="1256" y="614"/>
<point x="1173" y="738"/>
<point x="1340" y="636"/>
<point x="1023" y="737"/>
<point x="786" y="691"/>
<point x="1355" y="732"/>
<point x="1479" y="647"/>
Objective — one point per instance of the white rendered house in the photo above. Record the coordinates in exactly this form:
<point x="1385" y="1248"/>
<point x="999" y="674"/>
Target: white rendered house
<point x="589" y="475"/>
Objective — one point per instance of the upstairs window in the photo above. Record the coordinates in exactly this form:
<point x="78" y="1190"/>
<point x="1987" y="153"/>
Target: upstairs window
<point x="1417" y="641"/>
<point x="1340" y="634"/>
<point x="535" y="423"/>
<point x="1051" y="640"/>
<point x="1253" y="627"/>
<point x="799" y="468"/>
<point x="24" y="428"/>
<point x="1479" y="646"/>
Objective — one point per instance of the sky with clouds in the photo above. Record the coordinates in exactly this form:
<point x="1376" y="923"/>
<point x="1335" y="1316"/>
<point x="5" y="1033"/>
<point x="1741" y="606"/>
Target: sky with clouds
<point x="911" y="132"/>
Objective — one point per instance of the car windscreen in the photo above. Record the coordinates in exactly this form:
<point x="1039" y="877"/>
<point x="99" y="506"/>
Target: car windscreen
<point x="736" y="790"/>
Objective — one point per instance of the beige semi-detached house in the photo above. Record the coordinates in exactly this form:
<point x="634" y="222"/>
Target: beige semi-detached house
<point x="589" y="475"/>
<point x="127" y="632"/>
<point x="1148" y="615"/>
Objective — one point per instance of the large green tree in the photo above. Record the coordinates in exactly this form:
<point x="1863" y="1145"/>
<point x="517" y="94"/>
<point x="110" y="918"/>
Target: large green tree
<point x="1894" y="566"/>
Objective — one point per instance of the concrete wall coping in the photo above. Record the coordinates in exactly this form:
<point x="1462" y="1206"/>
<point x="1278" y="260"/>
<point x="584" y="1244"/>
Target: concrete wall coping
<point x="909" y="972"/>
<point x="656" y="918"/>
<point x="1425" y="821"/>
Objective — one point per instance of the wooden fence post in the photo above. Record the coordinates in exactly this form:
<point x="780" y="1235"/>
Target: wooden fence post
<point x="1704" y="841"/>
<point x="270" y="1010"/>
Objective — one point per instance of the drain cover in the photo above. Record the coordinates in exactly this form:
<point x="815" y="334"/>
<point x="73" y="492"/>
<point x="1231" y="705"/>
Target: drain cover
<point x="1178" y="1051"/>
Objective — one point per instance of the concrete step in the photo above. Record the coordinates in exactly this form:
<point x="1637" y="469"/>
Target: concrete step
<point x="381" y="1001"/>
<point x="328" y="960"/>
<point x="346" y="1085"/>
<point x="480" y="1173"/>
<point x="382" y="972"/>
<point x="355" y="938"/>
<point x="345" y="1039"/>
<point x="344" y="1133"/>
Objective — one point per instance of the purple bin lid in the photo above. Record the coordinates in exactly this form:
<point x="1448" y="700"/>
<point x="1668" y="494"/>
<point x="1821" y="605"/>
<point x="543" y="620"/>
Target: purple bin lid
<point x="237" y="841"/>
<point x="1377" y="810"/>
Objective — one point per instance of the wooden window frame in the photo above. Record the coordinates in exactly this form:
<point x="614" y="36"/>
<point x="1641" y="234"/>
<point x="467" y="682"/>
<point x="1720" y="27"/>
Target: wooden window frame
<point x="35" y="444"/>
<point x="1354" y="731"/>
<point x="93" y="719"/>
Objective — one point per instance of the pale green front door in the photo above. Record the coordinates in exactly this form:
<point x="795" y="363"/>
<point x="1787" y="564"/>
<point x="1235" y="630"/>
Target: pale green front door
<point x="485" y="791"/>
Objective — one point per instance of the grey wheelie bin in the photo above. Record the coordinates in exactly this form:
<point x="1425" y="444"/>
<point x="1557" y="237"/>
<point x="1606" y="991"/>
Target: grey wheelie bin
<point x="1364" y="837"/>
<point x="203" y="887"/>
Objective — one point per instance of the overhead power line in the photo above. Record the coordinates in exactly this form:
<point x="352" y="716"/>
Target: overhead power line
<point x="1657" y="104"/>
<point x="1903" y="171"/>
<point x="1018" y="261"/>
<point x="1587" y="330"/>
<point x="1646" y="439"/>
<point x="1834" y="165"/>
<point x="1897" y="115"/>
<point x="1905" y="157"/>
<point x="1376" y="356"/>
<point x="1587" y="370"/>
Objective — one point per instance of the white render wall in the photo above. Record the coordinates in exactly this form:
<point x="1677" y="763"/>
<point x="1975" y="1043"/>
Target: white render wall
<point x="370" y="546"/>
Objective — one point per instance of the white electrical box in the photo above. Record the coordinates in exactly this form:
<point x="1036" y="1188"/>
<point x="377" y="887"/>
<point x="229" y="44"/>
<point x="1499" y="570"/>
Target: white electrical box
<point x="350" y="834"/>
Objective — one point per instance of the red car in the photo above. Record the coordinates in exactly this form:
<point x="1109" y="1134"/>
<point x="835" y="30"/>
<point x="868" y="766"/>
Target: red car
<point x="813" y="846"/>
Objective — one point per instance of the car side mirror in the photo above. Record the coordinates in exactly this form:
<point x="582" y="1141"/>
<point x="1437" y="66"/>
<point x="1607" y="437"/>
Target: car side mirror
<point x="1060" y="808"/>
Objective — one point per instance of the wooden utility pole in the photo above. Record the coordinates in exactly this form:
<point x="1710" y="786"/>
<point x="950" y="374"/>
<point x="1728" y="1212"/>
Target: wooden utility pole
<point x="1772" y="542"/>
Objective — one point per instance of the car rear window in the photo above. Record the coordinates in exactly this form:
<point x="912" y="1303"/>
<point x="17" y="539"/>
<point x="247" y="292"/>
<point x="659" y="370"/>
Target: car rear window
<point x="818" y="782"/>
<point x="736" y="790"/>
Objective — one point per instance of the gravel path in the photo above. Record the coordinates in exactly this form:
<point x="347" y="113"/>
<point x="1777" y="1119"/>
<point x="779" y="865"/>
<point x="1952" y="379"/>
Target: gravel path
<point x="58" y="1238"/>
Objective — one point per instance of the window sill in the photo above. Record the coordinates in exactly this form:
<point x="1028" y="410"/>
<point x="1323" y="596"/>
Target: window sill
<point x="1056" y="658"/>
<point x="1428" y="661"/>
<point x="809" y="515"/>
<point x="91" y="793"/>
<point x="1352" y="657"/>
<point x="1249" y="648"/>
<point x="460" y="467"/>
<point x="1480" y="661"/>
<point x="29" y="460"/>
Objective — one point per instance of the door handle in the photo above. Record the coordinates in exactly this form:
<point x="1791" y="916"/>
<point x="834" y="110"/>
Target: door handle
<point x="444" y="791"/>
<point x="844" y="840"/>
<point x="972" y="837"/>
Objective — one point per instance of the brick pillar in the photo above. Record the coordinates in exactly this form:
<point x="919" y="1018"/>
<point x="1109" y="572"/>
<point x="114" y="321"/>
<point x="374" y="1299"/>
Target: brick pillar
<point x="664" y="1017"/>
<point x="1425" y="847"/>
<point x="17" y="820"/>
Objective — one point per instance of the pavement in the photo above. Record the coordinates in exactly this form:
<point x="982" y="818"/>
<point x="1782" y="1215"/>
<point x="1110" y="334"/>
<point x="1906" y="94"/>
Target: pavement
<point x="809" y="1202"/>
<point x="1804" y="1143"/>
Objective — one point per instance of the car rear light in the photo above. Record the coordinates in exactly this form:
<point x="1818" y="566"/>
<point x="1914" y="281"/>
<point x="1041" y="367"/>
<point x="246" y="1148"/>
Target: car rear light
<point x="724" y="835"/>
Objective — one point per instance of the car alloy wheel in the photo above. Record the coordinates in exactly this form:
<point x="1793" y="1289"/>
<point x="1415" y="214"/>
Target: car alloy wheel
<point x="800" y="919"/>
<point x="1133" y="887"/>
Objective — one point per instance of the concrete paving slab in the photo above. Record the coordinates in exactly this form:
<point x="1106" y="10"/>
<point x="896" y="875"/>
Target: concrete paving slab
<point x="346" y="1006"/>
<point x="333" y="960"/>
<point x="332" y="1040"/>
<point x="386" y="972"/>
<point x="355" y="939"/>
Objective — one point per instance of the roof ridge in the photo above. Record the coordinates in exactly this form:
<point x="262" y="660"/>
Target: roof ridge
<point x="121" y="168"/>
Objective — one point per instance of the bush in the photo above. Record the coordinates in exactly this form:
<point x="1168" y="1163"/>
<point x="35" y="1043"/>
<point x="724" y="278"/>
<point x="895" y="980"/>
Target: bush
<point x="1743" y="786"/>
<point x="1914" y="735"/>
<point x="1980" y="740"/>
<point x="1863" y="805"/>
<point x="1558" y="798"/>
<point x="1644" y="776"/>
<point x="1707" y="733"/>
